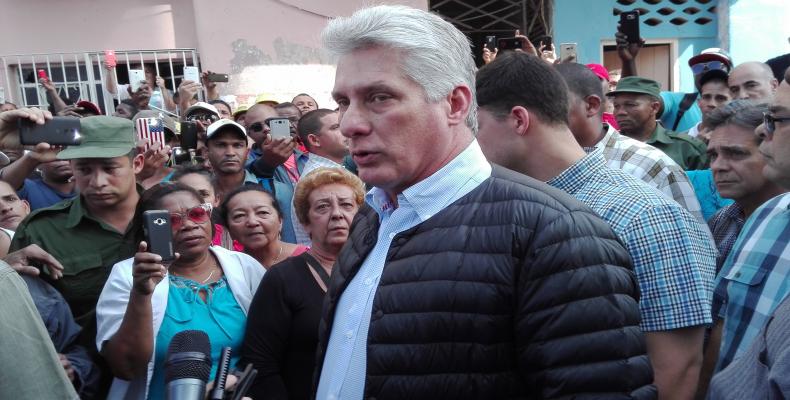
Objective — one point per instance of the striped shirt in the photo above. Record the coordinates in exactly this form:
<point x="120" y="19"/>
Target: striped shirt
<point x="754" y="278"/>
<point x="673" y="254"/>
<point x="345" y="365"/>
<point x="650" y="165"/>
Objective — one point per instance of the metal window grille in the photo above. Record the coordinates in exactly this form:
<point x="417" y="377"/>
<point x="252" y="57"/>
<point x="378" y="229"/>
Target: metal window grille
<point x="81" y="76"/>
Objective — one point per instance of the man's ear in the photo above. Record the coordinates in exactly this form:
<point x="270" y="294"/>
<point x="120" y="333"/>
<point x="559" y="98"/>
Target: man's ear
<point x="313" y="140"/>
<point x="137" y="163"/>
<point x="655" y="106"/>
<point x="460" y="101"/>
<point x="592" y="106"/>
<point x="520" y="119"/>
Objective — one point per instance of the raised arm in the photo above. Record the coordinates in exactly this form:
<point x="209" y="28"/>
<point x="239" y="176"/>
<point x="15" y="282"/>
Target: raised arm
<point x="125" y="318"/>
<point x="627" y="53"/>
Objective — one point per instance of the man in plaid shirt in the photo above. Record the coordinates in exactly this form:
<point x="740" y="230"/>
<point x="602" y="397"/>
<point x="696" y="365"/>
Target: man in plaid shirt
<point x="631" y="156"/>
<point x="754" y="278"/>
<point x="524" y="126"/>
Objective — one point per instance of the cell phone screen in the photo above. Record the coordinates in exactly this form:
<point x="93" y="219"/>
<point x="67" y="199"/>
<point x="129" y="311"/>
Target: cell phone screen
<point x="509" y="44"/>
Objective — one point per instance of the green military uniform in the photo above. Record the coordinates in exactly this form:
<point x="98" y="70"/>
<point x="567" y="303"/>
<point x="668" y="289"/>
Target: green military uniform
<point x="689" y="153"/>
<point x="87" y="248"/>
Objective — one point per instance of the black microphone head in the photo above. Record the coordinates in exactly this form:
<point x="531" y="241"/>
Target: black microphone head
<point x="188" y="356"/>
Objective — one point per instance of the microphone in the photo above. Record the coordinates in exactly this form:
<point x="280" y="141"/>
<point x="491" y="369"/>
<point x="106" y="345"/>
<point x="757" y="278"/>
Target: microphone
<point x="188" y="366"/>
<point x="218" y="393"/>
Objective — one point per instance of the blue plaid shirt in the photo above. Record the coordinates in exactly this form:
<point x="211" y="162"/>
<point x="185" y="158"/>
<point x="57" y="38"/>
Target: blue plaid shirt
<point x="345" y="365"/>
<point x="673" y="254"/>
<point x="754" y="279"/>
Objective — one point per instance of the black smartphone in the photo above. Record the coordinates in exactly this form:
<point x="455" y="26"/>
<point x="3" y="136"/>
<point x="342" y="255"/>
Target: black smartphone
<point x="61" y="131"/>
<point x="188" y="135"/>
<point x="490" y="42"/>
<point x="629" y="25"/>
<point x="215" y="77"/>
<point x="508" y="44"/>
<point x="156" y="224"/>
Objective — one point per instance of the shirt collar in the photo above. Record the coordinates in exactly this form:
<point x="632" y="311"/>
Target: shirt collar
<point x="604" y="140"/>
<point x="249" y="177"/>
<point x="76" y="212"/>
<point x="315" y="158"/>
<point x="735" y="212"/>
<point x="577" y="175"/>
<point x="660" y="135"/>
<point x="437" y="191"/>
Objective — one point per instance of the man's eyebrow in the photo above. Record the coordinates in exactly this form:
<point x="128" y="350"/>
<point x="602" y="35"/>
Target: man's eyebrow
<point x="777" y="109"/>
<point x="378" y="85"/>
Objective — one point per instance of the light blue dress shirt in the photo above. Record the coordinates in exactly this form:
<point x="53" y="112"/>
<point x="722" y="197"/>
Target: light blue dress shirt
<point x="345" y="365"/>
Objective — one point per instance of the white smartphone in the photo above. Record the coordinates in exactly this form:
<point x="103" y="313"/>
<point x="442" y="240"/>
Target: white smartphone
<point x="191" y="74"/>
<point x="136" y="78"/>
<point x="2" y="95"/>
<point x="568" y="50"/>
<point x="280" y="127"/>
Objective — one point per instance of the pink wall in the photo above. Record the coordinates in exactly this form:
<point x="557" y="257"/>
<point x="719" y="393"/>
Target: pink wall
<point x="266" y="45"/>
<point x="50" y="26"/>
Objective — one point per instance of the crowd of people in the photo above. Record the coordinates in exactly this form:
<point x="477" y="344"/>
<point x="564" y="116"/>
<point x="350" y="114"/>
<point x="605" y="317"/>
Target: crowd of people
<point x="537" y="228"/>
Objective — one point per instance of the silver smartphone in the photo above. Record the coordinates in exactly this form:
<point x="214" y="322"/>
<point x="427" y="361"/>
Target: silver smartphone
<point x="136" y="78"/>
<point x="280" y="127"/>
<point x="191" y="74"/>
<point x="568" y="50"/>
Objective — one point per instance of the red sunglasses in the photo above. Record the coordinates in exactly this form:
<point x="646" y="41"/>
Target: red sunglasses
<point x="198" y="215"/>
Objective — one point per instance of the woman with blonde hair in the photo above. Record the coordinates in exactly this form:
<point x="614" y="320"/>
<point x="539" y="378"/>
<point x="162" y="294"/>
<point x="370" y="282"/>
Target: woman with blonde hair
<point x="282" y="331"/>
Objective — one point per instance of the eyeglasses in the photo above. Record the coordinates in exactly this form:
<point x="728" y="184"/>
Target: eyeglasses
<point x="708" y="66"/>
<point x="211" y="118"/>
<point x="769" y="122"/>
<point x="258" y="126"/>
<point x="198" y="215"/>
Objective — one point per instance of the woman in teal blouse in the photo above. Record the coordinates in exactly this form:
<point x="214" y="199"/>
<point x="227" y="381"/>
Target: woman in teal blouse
<point x="144" y="304"/>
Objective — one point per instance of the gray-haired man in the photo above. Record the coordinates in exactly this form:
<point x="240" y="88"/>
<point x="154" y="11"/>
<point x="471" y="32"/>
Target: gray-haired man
<point x="459" y="279"/>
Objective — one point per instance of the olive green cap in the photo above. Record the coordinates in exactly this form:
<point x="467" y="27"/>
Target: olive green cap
<point x="102" y="137"/>
<point x="635" y="84"/>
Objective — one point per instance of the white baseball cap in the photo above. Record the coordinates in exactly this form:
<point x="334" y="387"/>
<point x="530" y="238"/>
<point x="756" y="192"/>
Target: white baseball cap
<point x="225" y="124"/>
<point x="201" y="105"/>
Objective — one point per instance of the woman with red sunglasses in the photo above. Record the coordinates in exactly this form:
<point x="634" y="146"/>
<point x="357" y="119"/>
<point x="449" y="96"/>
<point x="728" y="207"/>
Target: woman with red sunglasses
<point x="146" y="302"/>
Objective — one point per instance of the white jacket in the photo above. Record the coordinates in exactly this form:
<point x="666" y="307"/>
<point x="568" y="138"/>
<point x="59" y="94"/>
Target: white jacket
<point x="243" y="273"/>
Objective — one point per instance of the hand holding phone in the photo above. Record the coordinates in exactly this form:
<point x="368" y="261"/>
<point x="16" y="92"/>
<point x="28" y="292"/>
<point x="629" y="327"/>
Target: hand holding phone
<point x="158" y="234"/>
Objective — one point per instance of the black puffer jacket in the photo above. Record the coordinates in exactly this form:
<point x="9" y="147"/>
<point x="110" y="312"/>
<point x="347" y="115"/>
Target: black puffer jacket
<point x="516" y="290"/>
